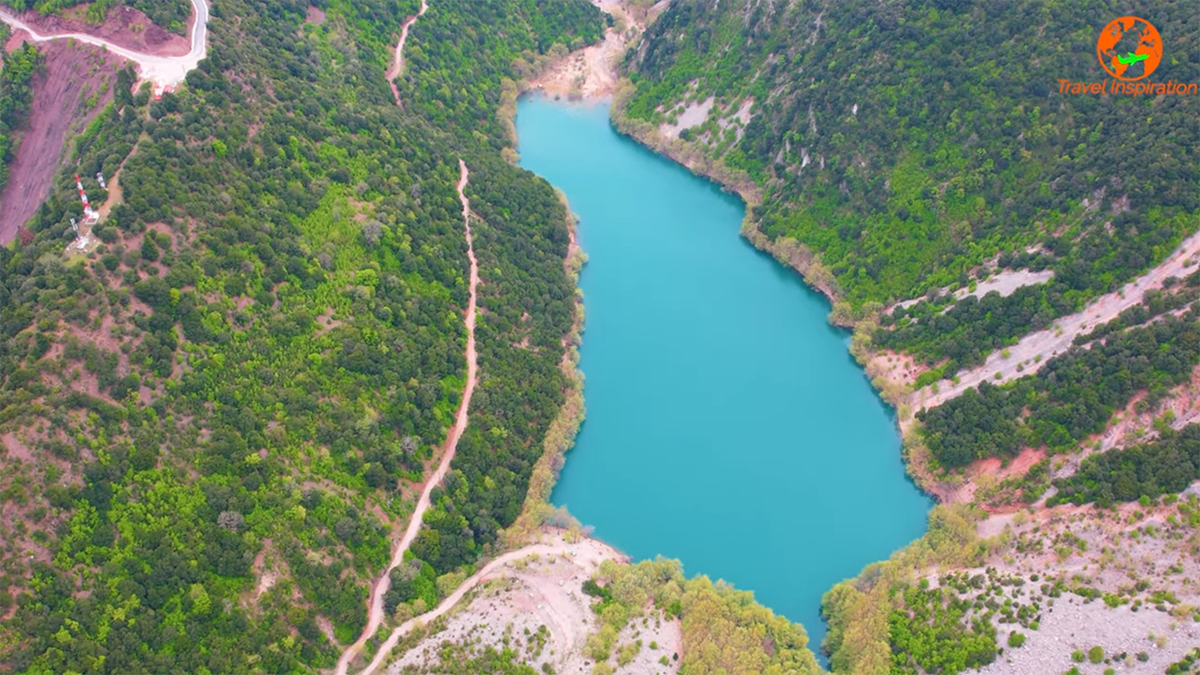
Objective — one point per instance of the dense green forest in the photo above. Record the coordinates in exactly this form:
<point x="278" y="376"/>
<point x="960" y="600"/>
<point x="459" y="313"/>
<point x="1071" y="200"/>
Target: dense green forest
<point x="17" y="70"/>
<point x="868" y="632"/>
<point x="965" y="332"/>
<point x="267" y="347"/>
<point x="931" y="633"/>
<point x="1073" y="395"/>
<point x="171" y="14"/>
<point x="1167" y="465"/>
<point x="521" y="243"/>
<point x="461" y="50"/>
<point x="910" y="143"/>
<point x="262" y="356"/>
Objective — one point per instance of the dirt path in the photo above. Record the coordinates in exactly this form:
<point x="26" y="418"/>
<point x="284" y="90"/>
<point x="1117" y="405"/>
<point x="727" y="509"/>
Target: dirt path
<point x="587" y="552"/>
<point x="380" y="588"/>
<point x="398" y="62"/>
<point x="163" y="71"/>
<point x="1057" y="339"/>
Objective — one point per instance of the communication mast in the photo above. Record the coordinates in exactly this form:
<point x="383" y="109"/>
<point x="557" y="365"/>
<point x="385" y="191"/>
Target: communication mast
<point x="90" y="217"/>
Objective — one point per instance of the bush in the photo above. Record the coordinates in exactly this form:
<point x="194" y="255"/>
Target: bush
<point x="107" y="235"/>
<point x="1016" y="639"/>
<point x="149" y="248"/>
<point x="1077" y="656"/>
<point x="928" y="377"/>
<point x="1096" y="654"/>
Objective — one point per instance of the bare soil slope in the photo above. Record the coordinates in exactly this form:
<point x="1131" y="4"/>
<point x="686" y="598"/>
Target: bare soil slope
<point x="73" y="74"/>
<point x="125" y="27"/>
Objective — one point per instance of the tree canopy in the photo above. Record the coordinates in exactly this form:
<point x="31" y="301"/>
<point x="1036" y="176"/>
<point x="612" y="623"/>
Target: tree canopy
<point x="247" y="377"/>
<point x="918" y="145"/>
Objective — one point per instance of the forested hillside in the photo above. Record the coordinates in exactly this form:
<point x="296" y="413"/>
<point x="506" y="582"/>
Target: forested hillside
<point x="267" y="346"/>
<point x="915" y="149"/>
<point x="461" y="50"/>
<point x="910" y="142"/>
<point x="1073" y="396"/>
<point x="16" y="72"/>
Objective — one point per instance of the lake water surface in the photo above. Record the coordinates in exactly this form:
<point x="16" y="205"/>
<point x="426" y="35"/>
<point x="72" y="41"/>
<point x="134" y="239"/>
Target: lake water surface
<point x="727" y="425"/>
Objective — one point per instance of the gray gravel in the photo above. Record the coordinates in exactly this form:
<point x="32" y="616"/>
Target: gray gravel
<point x="1074" y="625"/>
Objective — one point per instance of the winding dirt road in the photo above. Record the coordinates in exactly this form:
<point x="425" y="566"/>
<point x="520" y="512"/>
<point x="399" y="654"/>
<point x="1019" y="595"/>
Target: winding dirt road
<point x="163" y="71"/>
<point x="398" y="62"/>
<point x="380" y="588"/>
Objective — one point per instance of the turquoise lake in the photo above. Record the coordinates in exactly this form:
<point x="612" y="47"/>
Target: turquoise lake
<point x="727" y="424"/>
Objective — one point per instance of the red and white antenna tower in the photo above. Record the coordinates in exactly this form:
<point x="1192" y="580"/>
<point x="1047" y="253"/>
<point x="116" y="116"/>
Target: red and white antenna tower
<point x="82" y="195"/>
<point x="90" y="216"/>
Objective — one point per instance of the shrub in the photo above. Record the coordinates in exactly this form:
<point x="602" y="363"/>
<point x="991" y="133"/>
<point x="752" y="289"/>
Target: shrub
<point x="1016" y="639"/>
<point x="1096" y="654"/>
<point x="149" y="248"/>
<point x="107" y="235"/>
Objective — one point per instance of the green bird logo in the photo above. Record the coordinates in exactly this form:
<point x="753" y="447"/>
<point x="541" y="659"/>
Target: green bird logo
<point x="1130" y="58"/>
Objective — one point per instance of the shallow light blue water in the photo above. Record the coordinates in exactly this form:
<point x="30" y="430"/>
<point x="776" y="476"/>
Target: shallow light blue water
<point x="727" y="424"/>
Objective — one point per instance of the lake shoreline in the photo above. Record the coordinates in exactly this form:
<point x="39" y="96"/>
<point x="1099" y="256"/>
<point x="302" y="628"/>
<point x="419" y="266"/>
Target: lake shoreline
<point x="662" y="236"/>
<point x="537" y="511"/>
<point x="783" y="252"/>
<point x="792" y="254"/>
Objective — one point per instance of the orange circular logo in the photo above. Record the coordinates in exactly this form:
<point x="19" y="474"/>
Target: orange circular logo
<point x="1129" y="48"/>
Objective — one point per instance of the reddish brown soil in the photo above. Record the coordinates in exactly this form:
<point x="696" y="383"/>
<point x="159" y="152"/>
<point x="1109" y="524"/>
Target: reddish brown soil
<point x="316" y="16"/>
<point x="1018" y="467"/>
<point x="73" y="73"/>
<point x="895" y="367"/>
<point x="124" y="27"/>
<point x="961" y="489"/>
<point x="14" y="448"/>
